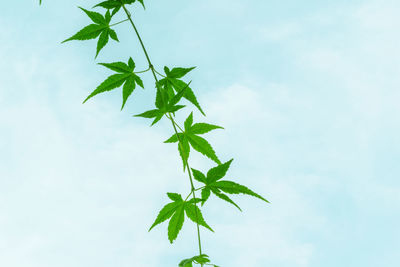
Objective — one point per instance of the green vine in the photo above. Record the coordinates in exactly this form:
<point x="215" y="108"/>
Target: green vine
<point x="170" y="89"/>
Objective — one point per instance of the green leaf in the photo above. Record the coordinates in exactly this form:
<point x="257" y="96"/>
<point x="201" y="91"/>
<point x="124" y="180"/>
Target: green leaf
<point x="113" y="5"/>
<point x="189" y="95"/>
<point x="116" y="5"/>
<point x="89" y="32"/>
<point x="176" y="98"/>
<point x="94" y="16"/>
<point x="177" y="73"/>
<point x="199" y="176"/>
<point x="165" y="213"/>
<point x="149" y="114"/>
<point x="166" y="70"/>
<point x="92" y="31"/>
<point x="141" y="1"/>
<point x="194" y="200"/>
<point x="201" y="145"/>
<point x="110" y="4"/>
<point x="216" y="173"/>
<point x="203" y="258"/>
<point x="176" y="223"/>
<point x="108" y="17"/>
<point x="186" y="263"/>
<point x="175" y="108"/>
<point x="174" y="138"/>
<point x="139" y="81"/>
<point x="103" y="40"/>
<point x="184" y="151"/>
<point x="200" y="259"/>
<point x="175" y="197"/>
<point x="126" y="2"/>
<point x="235" y="188"/>
<point x="170" y="90"/>
<point x="188" y="122"/>
<point x="160" y="98"/>
<point x="113" y="35"/>
<point x="194" y="213"/>
<point x="127" y="90"/>
<point x="175" y="211"/>
<point x="120" y="67"/>
<point x="214" y="184"/>
<point x="157" y="119"/>
<point x="202" y="128"/>
<point x="126" y="76"/>
<point x="205" y="194"/>
<point x="198" y="143"/>
<point x="131" y="64"/>
<point x="224" y="197"/>
<point x="112" y="82"/>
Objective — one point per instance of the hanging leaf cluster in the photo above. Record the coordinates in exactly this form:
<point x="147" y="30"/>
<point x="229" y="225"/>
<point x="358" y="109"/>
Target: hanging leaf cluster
<point x="170" y="90"/>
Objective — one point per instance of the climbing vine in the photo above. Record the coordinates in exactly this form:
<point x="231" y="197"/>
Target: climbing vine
<point x="171" y="88"/>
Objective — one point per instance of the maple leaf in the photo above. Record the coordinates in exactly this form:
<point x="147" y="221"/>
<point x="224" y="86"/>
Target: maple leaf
<point x="191" y="136"/>
<point x="175" y="211"/>
<point x="115" y="5"/>
<point x="218" y="187"/>
<point x="100" y="28"/>
<point x="172" y="82"/>
<point x="164" y="105"/>
<point x="125" y="76"/>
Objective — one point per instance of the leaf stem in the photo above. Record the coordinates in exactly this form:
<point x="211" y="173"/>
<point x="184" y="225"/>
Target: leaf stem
<point x="197" y="189"/>
<point x="118" y="23"/>
<point x="176" y="124"/>
<point x="159" y="73"/>
<point x="142" y="71"/>
<point x="128" y="14"/>
<point x="170" y="117"/>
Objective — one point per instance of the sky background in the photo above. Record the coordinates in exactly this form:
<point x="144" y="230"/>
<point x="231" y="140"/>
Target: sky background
<point x="308" y="92"/>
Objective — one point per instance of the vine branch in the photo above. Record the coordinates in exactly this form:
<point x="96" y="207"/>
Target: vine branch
<point x="187" y="136"/>
<point x="170" y="118"/>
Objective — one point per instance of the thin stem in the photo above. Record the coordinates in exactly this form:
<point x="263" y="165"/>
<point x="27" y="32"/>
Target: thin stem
<point x="174" y="124"/>
<point x="142" y="71"/>
<point x="140" y="40"/>
<point x="159" y="73"/>
<point x="197" y="189"/>
<point x="118" y="23"/>
<point x="189" y="195"/>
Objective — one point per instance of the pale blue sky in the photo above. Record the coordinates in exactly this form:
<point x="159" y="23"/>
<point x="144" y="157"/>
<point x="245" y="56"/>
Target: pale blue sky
<point x="308" y="93"/>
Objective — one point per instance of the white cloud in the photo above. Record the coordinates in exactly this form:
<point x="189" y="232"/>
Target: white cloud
<point x="80" y="184"/>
